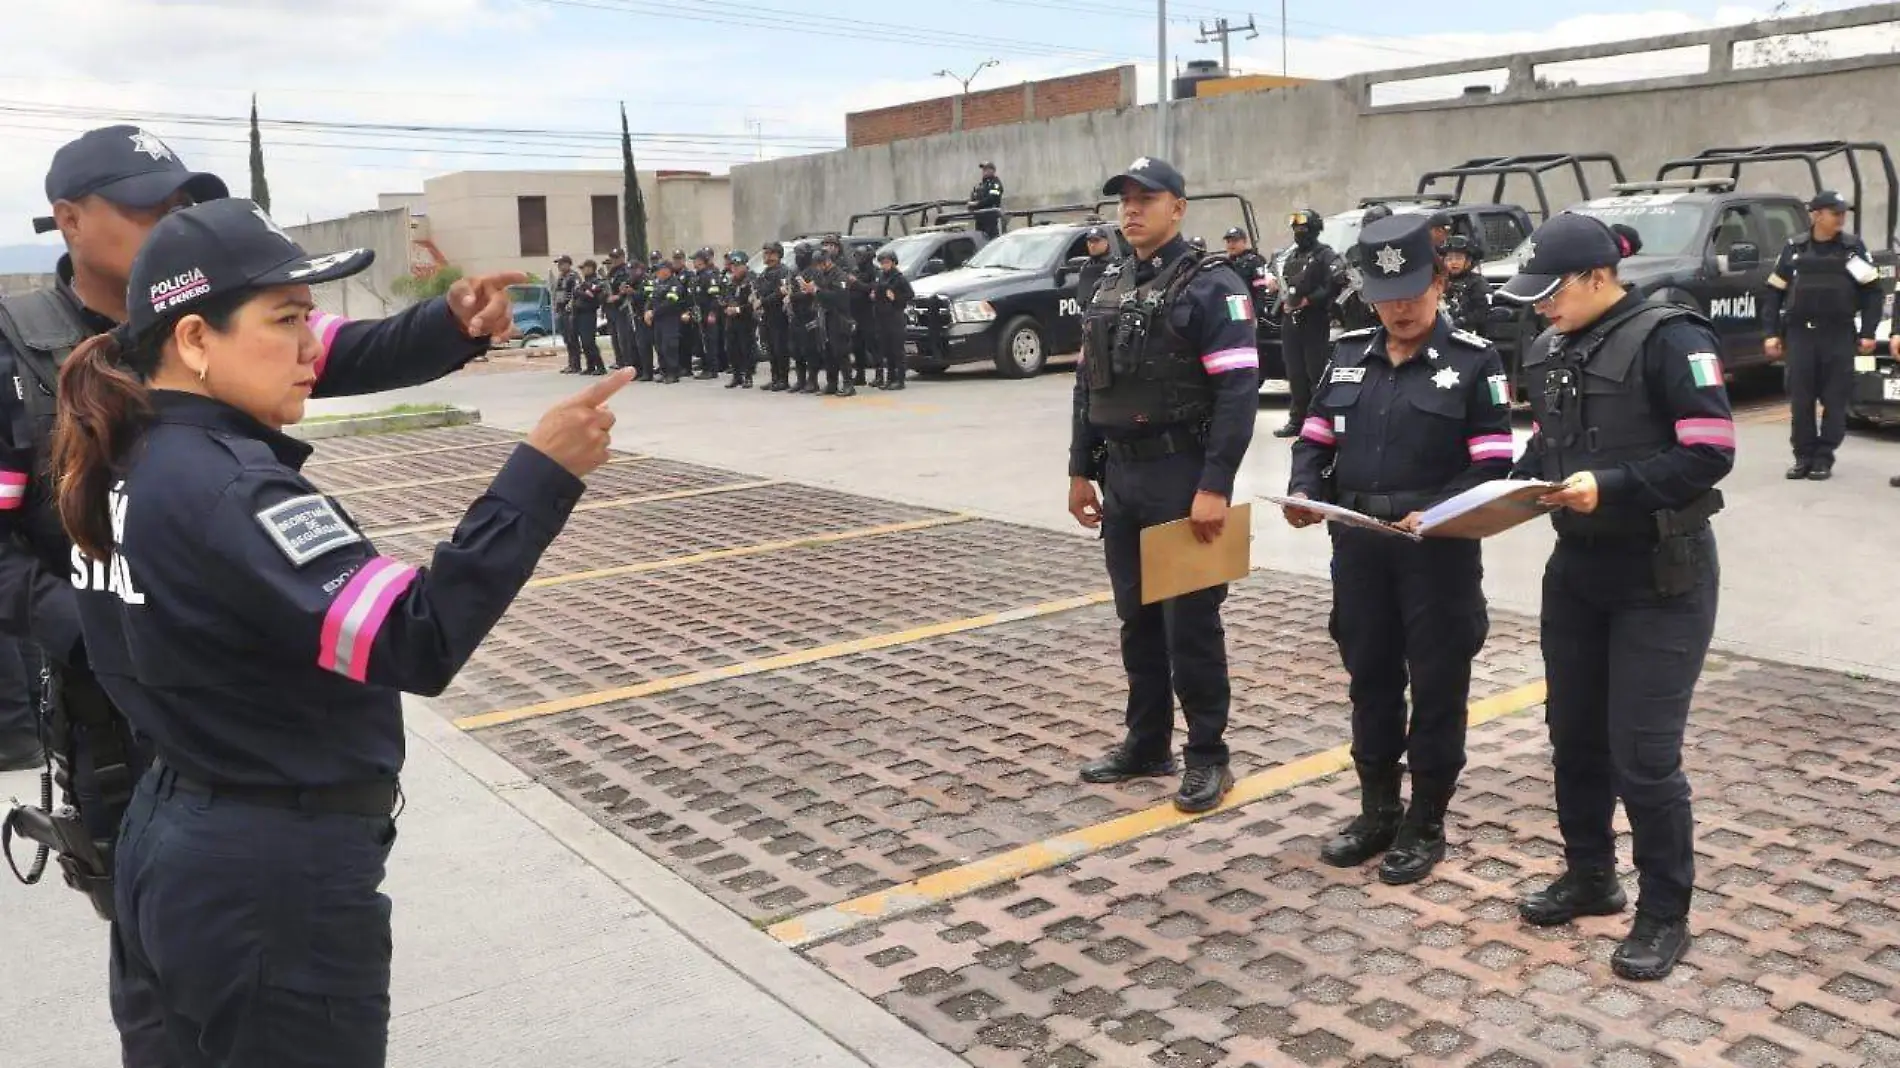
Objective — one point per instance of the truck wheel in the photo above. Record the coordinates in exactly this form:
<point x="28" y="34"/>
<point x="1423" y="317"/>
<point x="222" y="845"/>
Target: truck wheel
<point x="1020" y="352"/>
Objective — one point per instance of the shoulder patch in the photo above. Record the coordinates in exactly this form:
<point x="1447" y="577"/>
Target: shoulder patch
<point x="305" y="528"/>
<point x="1476" y="341"/>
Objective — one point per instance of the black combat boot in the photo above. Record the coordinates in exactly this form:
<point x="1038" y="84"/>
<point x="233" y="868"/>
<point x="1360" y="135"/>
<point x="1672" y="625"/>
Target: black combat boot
<point x="1591" y="891"/>
<point x="747" y="383"/>
<point x="1371" y="832"/>
<point x="877" y="380"/>
<point x="1420" y="844"/>
<point x="1123" y="763"/>
<point x="1202" y="788"/>
<point x="1653" y="948"/>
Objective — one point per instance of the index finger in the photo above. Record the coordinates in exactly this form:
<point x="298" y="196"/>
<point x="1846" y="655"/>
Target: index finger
<point x="500" y="280"/>
<point x="600" y="392"/>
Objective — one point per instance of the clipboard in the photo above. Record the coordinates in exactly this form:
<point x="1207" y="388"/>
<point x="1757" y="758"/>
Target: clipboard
<point x="1175" y="562"/>
<point x="1486" y="509"/>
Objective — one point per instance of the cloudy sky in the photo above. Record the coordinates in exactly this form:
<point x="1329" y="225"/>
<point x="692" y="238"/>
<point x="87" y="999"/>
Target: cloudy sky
<point x="706" y="84"/>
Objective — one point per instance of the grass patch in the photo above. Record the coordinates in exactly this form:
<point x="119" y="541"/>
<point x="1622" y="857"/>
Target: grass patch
<point x="399" y="409"/>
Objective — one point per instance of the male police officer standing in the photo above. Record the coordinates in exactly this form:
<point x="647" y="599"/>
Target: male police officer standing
<point x="1633" y="420"/>
<point x="1409" y="414"/>
<point x="669" y="313"/>
<point x="891" y="293"/>
<point x="1828" y="279"/>
<point x="614" y="303"/>
<point x="770" y="287"/>
<point x="1089" y="278"/>
<point x="1166" y="395"/>
<point x="986" y="200"/>
<point x="565" y="283"/>
<point x="741" y="315"/>
<point x="1467" y="294"/>
<point x="1307" y="292"/>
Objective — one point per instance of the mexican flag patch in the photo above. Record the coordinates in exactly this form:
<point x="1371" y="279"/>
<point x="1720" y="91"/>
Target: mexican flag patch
<point x="1239" y="309"/>
<point x="1706" y="368"/>
<point x="1500" y="390"/>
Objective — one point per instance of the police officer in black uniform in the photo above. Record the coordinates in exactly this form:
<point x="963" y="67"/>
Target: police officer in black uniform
<point x="1633" y="420"/>
<point x="1467" y="294"/>
<point x="634" y="307"/>
<point x="891" y="293"/>
<point x="1407" y="415"/>
<point x="108" y="188"/>
<point x="774" y="332"/>
<point x="590" y="293"/>
<point x="1827" y="281"/>
<point x="20" y="748"/>
<point x="1164" y="410"/>
<point x="740" y="312"/>
<point x="708" y="293"/>
<point x="614" y="305"/>
<point x="670" y="314"/>
<point x="867" y="364"/>
<point x="986" y="200"/>
<point x="1089" y="278"/>
<point x="830" y="289"/>
<point x="251" y="632"/>
<point x="807" y="333"/>
<point x="566" y="281"/>
<point x="1308" y="286"/>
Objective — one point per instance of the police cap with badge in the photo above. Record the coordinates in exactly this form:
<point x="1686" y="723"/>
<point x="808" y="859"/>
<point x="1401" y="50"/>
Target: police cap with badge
<point x="1157" y="175"/>
<point x="126" y="166"/>
<point x="1399" y="257"/>
<point x="1566" y="245"/>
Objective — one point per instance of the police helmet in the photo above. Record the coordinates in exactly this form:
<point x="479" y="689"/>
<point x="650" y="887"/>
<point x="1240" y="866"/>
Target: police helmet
<point x="885" y="255"/>
<point x="1197" y="244"/>
<point x="774" y="246"/>
<point x="737" y="256"/>
<point x="1458" y="243"/>
<point x="1306" y="220"/>
<point x="617" y="254"/>
<point x="1375" y="213"/>
<point x="834" y="239"/>
<point x="679" y="253"/>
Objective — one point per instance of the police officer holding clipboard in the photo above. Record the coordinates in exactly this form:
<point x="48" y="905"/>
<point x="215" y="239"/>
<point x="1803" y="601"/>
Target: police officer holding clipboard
<point x="1633" y="420"/>
<point x="1404" y="416"/>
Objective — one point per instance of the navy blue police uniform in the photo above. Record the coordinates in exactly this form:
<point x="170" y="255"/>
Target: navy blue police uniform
<point x="774" y="330"/>
<point x="1823" y="298"/>
<point x="1389" y="437"/>
<point x="1636" y="399"/>
<point x="1467" y="293"/>
<point x="672" y="309"/>
<point x="891" y="293"/>
<point x="1164" y="408"/>
<point x="252" y="633"/>
<point x="986" y="201"/>
<point x="740" y="312"/>
<point x="566" y="287"/>
<point x="1089" y="277"/>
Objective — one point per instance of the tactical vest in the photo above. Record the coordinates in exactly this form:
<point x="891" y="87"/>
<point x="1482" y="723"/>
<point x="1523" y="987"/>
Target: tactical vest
<point x="1142" y="374"/>
<point x="1593" y="408"/>
<point x="43" y="329"/>
<point x="1822" y="290"/>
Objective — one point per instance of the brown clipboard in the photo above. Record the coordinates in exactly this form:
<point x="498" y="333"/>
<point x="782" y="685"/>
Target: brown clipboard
<point x="1174" y="561"/>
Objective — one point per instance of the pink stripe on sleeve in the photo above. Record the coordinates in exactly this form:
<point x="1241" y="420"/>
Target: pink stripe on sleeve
<point x="12" y="490"/>
<point x="1491" y="447"/>
<point x="350" y="626"/>
<point x="1317" y="431"/>
<point x="1230" y="360"/>
<point x="325" y="326"/>
<point x="1717" y="432"/>
<point x="385" y="599"/>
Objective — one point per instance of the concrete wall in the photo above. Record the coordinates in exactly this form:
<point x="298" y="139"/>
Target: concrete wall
<point x="369" y="295"/>
<point x="15" y="284"/>
<point x="1324" y="145"/>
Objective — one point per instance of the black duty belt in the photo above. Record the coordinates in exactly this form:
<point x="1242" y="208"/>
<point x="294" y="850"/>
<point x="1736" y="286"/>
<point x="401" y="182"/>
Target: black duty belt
<point x="347" y="799"/>
<point x="1389" y="507"/>
<point x="1155" y="446"/>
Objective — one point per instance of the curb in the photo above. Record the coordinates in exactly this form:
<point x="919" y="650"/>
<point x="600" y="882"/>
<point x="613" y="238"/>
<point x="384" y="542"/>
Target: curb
<point x="857" y="1024"/>
<point x="453" y="415"/>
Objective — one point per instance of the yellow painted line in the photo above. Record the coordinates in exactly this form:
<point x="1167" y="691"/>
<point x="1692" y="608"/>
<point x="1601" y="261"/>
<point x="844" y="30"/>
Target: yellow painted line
<point x="777" y="663"/>
<point x="748" y="550"/>
<point x="591" y="506"/>
<point x="833" y="920"/>
<point x="448" y="480"/>
<point x="413" y="452"/>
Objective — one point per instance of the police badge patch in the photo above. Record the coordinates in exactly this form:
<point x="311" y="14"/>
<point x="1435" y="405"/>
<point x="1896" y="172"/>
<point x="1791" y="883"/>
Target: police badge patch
<point x="1349" y="374"/>
<point x="305" y="528"/>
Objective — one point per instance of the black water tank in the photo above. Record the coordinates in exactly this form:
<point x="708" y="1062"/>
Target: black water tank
<point x="1198" y="71"/>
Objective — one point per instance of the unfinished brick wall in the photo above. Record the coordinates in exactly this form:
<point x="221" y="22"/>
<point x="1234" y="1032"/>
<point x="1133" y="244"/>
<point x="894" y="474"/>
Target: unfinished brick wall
<point x="1094" y="91"/>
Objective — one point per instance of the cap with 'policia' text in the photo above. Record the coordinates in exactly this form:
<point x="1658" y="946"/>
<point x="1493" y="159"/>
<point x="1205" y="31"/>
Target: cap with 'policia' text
<point x="1149" y="173"/>
<point x="208" y="250"/>
<point x="1568" y="244"/>
<point x="128" y="167"/>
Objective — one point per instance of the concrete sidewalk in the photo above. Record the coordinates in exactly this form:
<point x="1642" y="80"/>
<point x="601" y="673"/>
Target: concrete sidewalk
<point x="525" y="934"/>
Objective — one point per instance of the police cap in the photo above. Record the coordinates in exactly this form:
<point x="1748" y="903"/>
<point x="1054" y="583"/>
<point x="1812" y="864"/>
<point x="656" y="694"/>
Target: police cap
<point x="217" y="248"/>
<point x="1096" y="233"/>
<point x="617" y="254"/>
<point x="773" y="246"/>
<point x="1149" y="173"/>
<point x="1828" y="200"/>
<point x="679" y="253"/>
<point x="564" y="258"/>
<point x="1568" y="244"/>
<point x="585" y="264"/>
<point x="834" y="239"/>
<point x="986" y="165"/>
<point x="885" y="255"/>
<point x="737" y="255"/>
<point x="128" y="167"/>
<point x="1236" y="232"/>
<point x="1441" y="220"/>
<point x="1399" y="259"/>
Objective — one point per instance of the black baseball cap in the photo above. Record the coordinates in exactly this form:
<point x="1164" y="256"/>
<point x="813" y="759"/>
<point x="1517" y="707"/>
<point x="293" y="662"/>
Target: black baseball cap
<point x="986" y="165"/>
<point x="1150" y="173"/>
<point x="125" y="165"/>
<point x="1568" y="244"/>
<point x="1096" y="233"/>
<point x="1234" y="232"/>
<point x="887" y="254"/>
<point x="1828" y="200"/>
<point x="224" y="246"/>
<point x="1398" y="258"/>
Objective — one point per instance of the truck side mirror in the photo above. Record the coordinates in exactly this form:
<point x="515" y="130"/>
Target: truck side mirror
<point x="1742" y="256"/>
<point x="933" y="265"/>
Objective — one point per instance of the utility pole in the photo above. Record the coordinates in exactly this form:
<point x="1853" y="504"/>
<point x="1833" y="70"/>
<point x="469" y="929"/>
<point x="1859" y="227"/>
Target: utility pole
<point x="1282" y="38"/>
<point x="965" y="82"/>
<point x="1162" y="132"/>
<point x="1224" y="31"/>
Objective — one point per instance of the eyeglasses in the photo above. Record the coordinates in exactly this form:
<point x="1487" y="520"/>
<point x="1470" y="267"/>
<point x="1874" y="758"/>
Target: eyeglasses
<point x="1551" y="297"/>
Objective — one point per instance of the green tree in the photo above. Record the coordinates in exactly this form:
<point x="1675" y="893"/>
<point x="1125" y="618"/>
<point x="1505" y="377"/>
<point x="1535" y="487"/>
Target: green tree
<point x="416" y="288"/>
<point x="632" y="203"/>
<point x="260" y="189"/>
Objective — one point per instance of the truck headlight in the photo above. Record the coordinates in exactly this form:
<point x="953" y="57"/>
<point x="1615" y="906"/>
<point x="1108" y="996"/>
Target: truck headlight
<point x="972" y="311"/>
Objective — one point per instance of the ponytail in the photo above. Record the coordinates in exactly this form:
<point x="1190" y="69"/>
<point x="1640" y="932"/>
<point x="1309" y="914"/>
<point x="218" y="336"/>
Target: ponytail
<point x="103" y="409"/>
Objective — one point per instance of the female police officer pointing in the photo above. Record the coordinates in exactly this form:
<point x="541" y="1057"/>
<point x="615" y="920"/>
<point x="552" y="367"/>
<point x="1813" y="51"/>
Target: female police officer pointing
<point x="1405" y="416"/>
<point x="251" y="632"/>
<point x="1633" y="419"/>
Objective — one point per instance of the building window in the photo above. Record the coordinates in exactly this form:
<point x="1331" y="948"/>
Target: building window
<point x="532" y="213"/>
<point x="606" y="224"/>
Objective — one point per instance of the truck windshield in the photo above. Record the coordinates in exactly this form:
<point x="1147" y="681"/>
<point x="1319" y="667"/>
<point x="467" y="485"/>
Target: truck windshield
<point x="1024" y="250"/>
<point x="1667" y="229"/>
<point x="911" y="251"/>
<point x="525" y="294"/>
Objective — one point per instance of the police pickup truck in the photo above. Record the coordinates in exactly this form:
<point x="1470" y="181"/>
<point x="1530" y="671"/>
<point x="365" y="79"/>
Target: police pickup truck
<point x="1012" y="304"/>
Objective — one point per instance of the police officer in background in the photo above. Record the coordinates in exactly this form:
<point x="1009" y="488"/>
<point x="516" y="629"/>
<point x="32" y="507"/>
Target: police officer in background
<point x="1408" y="415"/>
<point x="1467" y="294"/>
<point x="260" y="644"/>
<point x="708" y="295"/>
<point x="773" y="333"/>
<point x="614" y="303"/>
<point x="566" y="281"/>
<point x="891" y="293"/>
<point x="741" y="321"/>
<point x="1087" y="279"/>
<point x="861" y="278"/>
<point x="1309" y="284"/>
<point x="590" y="292"/>
<point x="1632" y="418"/>
<point x="827" y="286"/>
<point x="1822" y="281"/>
<point x="635" y="294"/>
<point x="802" y="316"/>
<point x="1164" y="411"/>
<point x="670" y="314"/>
<point x="986" y="200"/>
